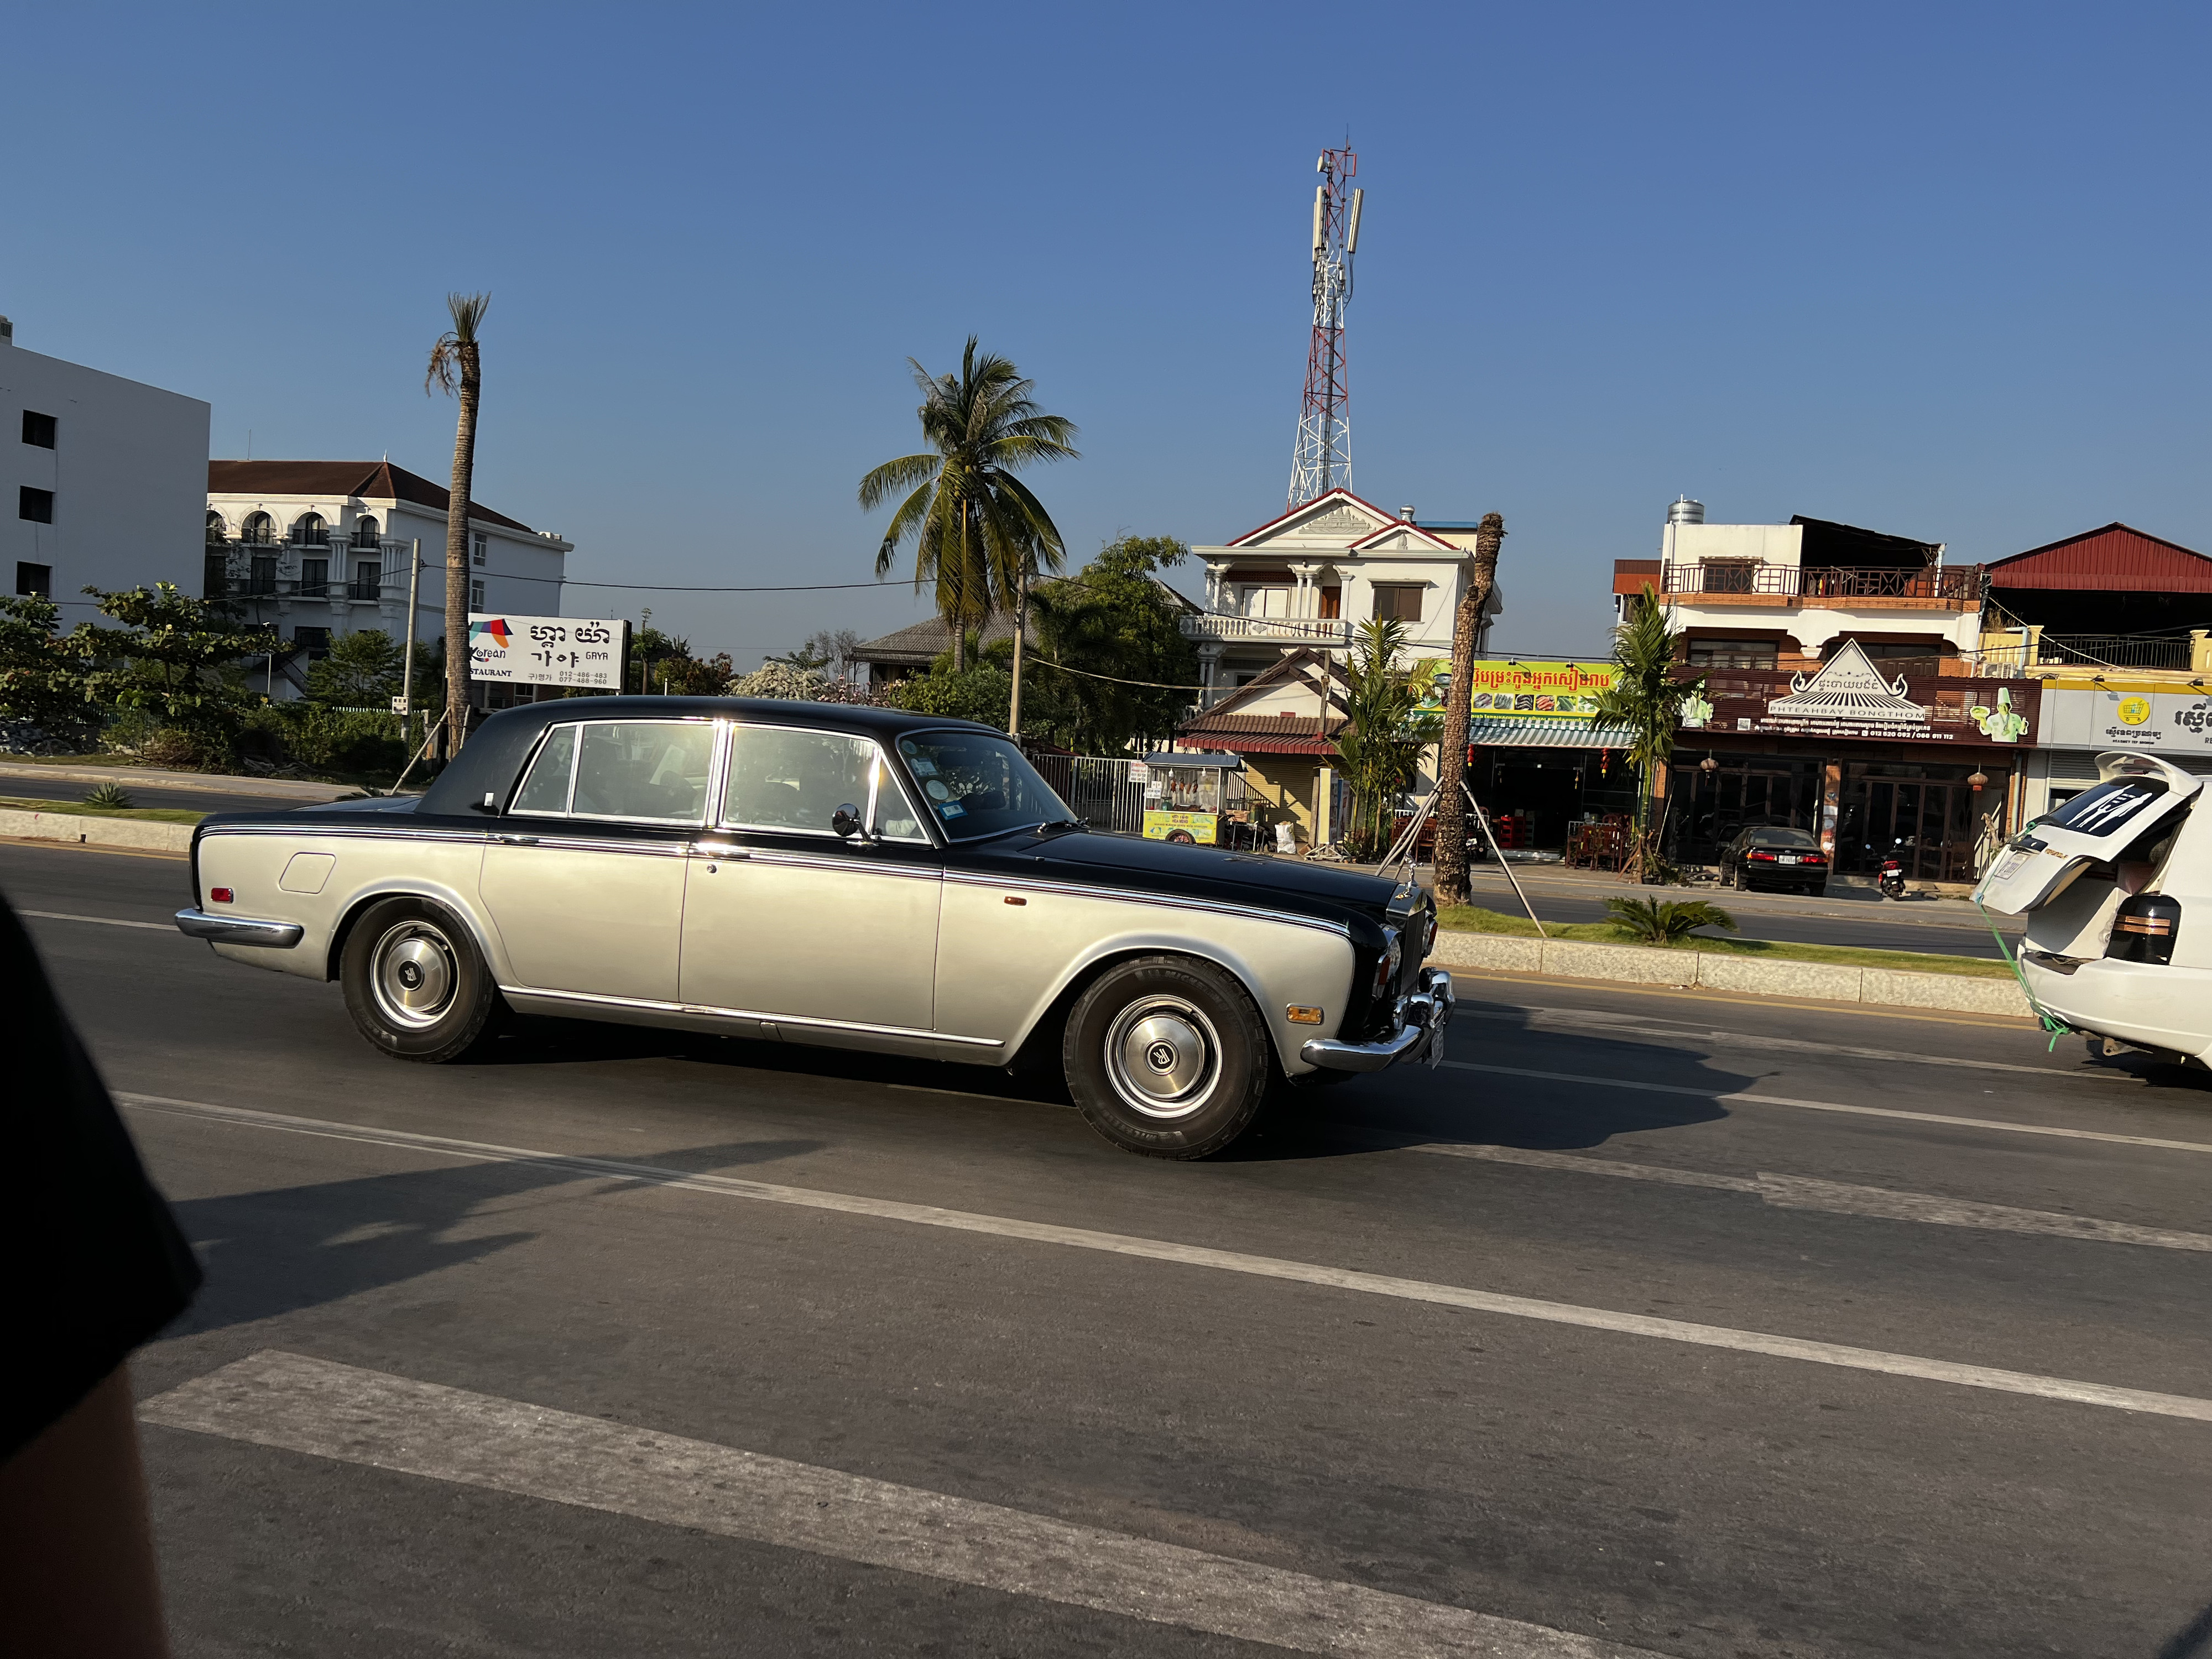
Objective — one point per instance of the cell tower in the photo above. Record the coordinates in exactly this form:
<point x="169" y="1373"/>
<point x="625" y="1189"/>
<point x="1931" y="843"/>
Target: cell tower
<point x="1322" y="458"/>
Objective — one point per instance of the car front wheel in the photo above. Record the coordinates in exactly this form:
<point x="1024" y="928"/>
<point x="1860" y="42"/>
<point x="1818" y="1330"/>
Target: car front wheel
<point x="415" y="983"/>
<point x="1167" y="1056"/>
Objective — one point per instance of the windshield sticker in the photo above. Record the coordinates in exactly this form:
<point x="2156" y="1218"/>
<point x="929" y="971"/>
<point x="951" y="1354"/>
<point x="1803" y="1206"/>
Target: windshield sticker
<point x="922" y="768"/>
<point x="953" y="809"/>
<point x="936" y="790"/>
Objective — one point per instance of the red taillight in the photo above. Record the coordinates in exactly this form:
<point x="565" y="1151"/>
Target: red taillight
<point x="1815" y="858"/>
<point x="219" y="895"/>
<point x="1762" y="858"/>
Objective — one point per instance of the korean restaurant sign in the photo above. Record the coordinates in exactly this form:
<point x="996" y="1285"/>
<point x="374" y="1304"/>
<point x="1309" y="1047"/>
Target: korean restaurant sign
<point x="2138" y="717"/>
<point x="577" y="651"/>
<point x="1527" y="691"/>
<point x="1851" y="697"/>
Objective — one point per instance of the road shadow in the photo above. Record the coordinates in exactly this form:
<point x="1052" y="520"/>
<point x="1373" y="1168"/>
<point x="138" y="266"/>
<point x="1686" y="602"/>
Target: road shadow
<point x="287" y="1249"/>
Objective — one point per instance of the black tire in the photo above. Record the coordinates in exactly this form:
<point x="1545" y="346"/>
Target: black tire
<point x="1182" y="838"/>
<point x="1167" y="1056"/>
<point x="416" y="984"/>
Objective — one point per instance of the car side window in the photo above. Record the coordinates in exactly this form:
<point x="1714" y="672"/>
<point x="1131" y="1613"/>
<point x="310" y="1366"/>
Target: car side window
<point x="546" y="788"/>
<point x="653" y="771"/>
<point x="793" y="782"/>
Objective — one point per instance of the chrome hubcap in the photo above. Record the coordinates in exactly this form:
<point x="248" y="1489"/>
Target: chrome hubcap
<point x="1163" y="1057"/>
<point x="413" y="974"/>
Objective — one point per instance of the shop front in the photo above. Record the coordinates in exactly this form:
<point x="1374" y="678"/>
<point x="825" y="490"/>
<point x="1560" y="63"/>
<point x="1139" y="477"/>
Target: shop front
<point x="1930" y="769"/>
<point x="1538" y="760"/>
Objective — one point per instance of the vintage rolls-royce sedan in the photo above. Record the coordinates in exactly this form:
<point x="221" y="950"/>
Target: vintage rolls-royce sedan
<point x="809" y="873"/>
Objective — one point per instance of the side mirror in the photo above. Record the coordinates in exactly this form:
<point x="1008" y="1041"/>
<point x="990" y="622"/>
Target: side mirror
<point x="846" y="820"/>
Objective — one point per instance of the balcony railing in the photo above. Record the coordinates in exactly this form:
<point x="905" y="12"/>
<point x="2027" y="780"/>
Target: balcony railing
<point x="1294" y="630"/>
<point x="1946" y="584"/>
<point x="2091" y="651"/>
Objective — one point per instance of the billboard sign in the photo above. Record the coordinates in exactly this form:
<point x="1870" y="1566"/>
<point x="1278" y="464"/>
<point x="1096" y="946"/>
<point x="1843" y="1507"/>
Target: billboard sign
<point x="1499" y="689"/>
<point x="1850" y="697"/>
<point x="585" y="652"/>
<point x="2101" y="717"/>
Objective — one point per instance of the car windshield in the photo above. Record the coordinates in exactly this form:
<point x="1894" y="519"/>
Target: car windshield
<point x="1771" y="837"/>
<point x="978" y="785"/>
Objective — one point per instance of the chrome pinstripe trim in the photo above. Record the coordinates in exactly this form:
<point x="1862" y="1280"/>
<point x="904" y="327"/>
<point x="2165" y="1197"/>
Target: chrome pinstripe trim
<point x="665" y="849"/>
<point x="852" y="864"/>
<point x="1032" y="884"/>
<point x="344" y="831"/>
<point x="647" y="1003"/>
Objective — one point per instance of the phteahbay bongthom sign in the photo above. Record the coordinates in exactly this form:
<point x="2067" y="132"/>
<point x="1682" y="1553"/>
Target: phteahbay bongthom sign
<point x="577" y="651"/>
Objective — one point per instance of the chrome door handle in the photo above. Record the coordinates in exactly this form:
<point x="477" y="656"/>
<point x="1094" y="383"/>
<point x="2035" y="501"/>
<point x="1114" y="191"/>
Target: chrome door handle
<point x="702" y="851"/>
<point x="518" y="841"/>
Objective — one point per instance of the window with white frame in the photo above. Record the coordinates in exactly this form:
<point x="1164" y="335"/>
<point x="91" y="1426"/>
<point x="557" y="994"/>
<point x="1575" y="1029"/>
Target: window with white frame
<point x="480" y="548"/>
<point x="476" y="596"/>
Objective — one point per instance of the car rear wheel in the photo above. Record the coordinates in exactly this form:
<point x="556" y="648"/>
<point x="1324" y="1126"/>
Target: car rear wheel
<point x="416" y="984"/>
<point x="1167" y="1056"/>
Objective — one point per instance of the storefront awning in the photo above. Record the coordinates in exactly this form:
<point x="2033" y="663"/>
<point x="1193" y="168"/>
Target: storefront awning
<point x="1547" y="734"/>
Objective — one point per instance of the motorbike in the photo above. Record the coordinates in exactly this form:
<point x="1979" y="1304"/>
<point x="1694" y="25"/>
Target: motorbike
<point x="1892" y="879"/>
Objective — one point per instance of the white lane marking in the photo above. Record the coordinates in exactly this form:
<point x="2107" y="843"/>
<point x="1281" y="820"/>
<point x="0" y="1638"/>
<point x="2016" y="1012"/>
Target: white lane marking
<point x="105" y="921"/>
<point x="1840" y="1198"/>
<point x="1578" y="1019"/>
<point x="1836" y="1106"/>
<point x="363" y="1417"/>
<point x="1260" y="1266"/>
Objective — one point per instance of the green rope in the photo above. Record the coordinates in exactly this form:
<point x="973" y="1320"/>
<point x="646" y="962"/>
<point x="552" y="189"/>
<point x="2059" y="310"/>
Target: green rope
<point x="2050" y="1022"/>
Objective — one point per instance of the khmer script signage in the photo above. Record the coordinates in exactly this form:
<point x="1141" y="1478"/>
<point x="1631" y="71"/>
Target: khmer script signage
<point x="1849" y="696"/>
<point x="577" y="651"/>
<point x="2139" y="717"/>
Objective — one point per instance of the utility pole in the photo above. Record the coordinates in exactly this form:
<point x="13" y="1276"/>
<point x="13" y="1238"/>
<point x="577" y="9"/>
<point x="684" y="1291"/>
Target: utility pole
<point x="407" y="663"/>
<point x="1480" y="576"/>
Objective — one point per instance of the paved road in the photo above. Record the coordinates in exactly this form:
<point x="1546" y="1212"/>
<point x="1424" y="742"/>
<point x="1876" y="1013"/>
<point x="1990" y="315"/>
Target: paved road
<point x="1685" y="1324"/>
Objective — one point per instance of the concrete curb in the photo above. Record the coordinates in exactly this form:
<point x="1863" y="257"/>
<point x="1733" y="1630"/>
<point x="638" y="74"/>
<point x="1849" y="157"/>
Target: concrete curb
<point x="1642" y="964"/>
<point x="97" y="832"/>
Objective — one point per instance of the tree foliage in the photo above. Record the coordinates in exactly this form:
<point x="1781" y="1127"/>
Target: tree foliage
<point x="1116" y="624"/>
<point x="362" y="670"/>
<point x="175" y="658"/>
<point x="1667" y="921"/>
<point x="40" y="678"/>
<point x="978" y="532"/>
<point x="782" y="681"/>
<point x="1385" y="732"/>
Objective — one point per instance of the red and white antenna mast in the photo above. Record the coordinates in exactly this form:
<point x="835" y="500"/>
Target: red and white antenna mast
<point x="1322" y="458"/>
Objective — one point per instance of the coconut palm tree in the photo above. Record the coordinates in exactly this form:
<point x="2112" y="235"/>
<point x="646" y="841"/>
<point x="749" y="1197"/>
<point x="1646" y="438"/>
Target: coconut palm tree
<point x="978" y="532"/>
<point x="1646" y="697"/>
<point x="1451" y="753"/>
<point x="456" y="348"/>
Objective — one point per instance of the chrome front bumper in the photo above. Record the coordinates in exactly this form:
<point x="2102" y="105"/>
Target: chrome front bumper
<point x="238" y="930"/>
<point x="1420" y="1034"/>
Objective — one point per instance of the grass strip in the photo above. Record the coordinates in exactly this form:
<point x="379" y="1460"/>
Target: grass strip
<point x="77" y="809"/>
<point x="1472" y="919"/>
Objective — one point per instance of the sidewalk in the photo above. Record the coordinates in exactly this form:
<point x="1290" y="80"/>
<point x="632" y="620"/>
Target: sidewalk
<point x="149" y="777"/>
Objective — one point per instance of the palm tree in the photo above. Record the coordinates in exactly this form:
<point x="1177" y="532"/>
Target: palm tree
<point x="1384" y="732"/>
<point x="978" y="532"/>
<point x="1451" y="753"/>
<point x="457" y="349"/>
<point x="1646" y="697"/>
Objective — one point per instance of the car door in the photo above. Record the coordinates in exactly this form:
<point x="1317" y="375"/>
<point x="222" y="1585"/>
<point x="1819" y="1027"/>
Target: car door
<point x="829" y="938"/>
<point x="584" y="878"/>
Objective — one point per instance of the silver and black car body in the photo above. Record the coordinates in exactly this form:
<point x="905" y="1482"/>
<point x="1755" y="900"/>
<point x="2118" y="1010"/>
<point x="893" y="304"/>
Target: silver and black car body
<point x="811" y="873"/>
<point x="2117" y="887"/>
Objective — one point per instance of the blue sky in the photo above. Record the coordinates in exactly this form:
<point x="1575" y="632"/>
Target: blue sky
<point x="1938" y="271"/>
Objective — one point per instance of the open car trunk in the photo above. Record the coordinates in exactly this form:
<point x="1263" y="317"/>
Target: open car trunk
<point x="2137" y="794"/>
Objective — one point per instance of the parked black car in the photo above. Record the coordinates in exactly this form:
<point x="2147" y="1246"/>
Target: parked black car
<point x="1776" y="856"/>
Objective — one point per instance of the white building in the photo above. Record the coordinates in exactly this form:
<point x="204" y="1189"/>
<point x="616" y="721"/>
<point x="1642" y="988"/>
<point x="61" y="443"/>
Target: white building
<point x="1306" y="580"/>
<point x="319" y="550"/>
<point x="103" y="479"/>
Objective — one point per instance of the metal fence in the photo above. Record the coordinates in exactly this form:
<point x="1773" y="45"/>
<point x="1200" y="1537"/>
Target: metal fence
<point x="1722" y="576"/>
<point x="1100" y="790"/>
